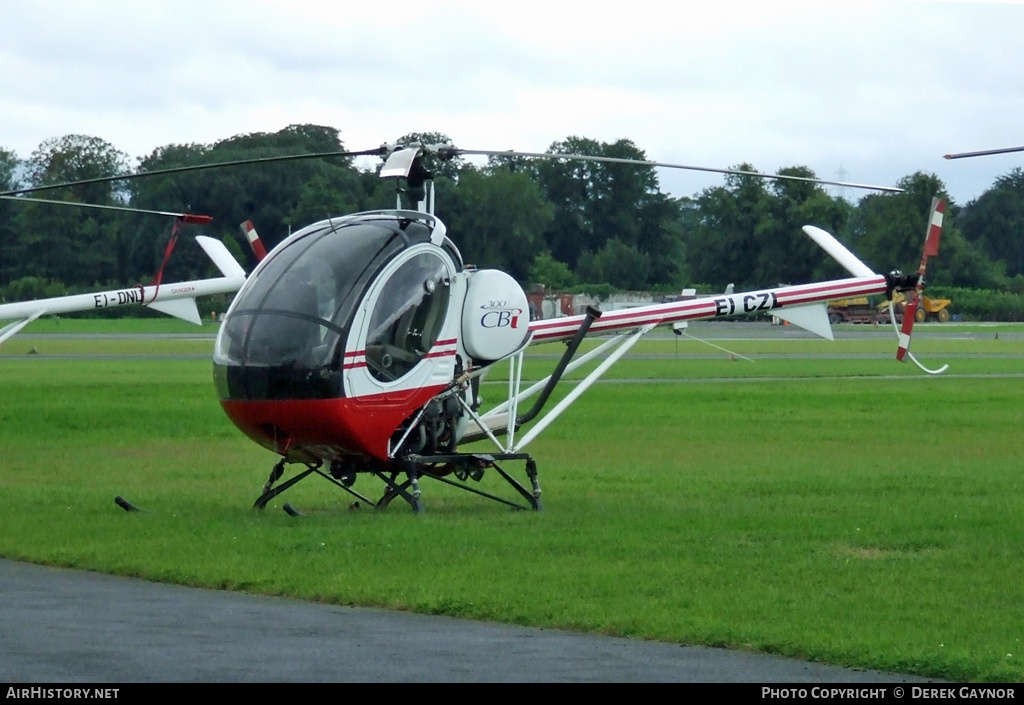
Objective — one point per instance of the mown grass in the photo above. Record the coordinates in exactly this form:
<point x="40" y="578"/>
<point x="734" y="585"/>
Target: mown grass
<point x="50" y="325"/>
<point x="867" y="521"/>
<point x="31" y="345"/>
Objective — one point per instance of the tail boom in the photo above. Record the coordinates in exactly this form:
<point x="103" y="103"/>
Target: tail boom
<point x="742" y="303"/>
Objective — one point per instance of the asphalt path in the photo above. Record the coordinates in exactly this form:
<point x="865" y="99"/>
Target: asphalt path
<point x="67" y="626"/>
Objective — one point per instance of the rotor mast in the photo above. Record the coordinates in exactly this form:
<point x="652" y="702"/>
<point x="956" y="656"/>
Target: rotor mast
<point x="407" y="163"/>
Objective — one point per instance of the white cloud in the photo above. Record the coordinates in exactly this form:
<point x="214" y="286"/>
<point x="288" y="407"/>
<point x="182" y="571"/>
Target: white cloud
<point x="878" y="89"/>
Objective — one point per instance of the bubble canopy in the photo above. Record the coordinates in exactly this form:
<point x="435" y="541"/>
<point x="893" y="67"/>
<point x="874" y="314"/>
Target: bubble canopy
<point x="284" y="335"/>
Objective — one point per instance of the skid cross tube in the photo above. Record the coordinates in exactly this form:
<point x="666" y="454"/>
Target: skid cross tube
<point x="481" y="462"/>
<point x="269" y="491"/>
<point x="415" y="467"/>
<point x="400" y="490"/>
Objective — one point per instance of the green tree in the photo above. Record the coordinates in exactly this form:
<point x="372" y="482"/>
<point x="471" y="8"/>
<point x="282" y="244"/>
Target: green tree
<point x="616" y="263"/>
<point x="687" y="221"/>
<point x="888" y="230"/>
<point x="548" y="272"/>
<point x="76" y="158"/>
<point x="278" y="197"/>
<point x="76" y="246"/>
<point x="9" y="240"/>
<point x="496" y="218"/>
<point x="596" y="202"/>
<point x="184" y="192"/>
<point x="329" y="192"/>
<point x="964" y="264"/>
<point x="994" y="222"/>
<point x="724" y="246"/>
<point x="787" y="255"/>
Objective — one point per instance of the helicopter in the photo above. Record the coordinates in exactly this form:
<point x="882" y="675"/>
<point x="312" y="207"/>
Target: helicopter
<point x="177" y="299"/>
<point x="357" y="345"/>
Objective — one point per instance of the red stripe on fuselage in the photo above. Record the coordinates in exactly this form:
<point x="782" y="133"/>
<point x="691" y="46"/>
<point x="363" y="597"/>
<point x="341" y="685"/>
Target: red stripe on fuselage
<point x="435" y="351"/>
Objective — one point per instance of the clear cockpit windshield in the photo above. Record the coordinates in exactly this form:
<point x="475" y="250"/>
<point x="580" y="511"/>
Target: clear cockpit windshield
<point x="284" y="336"/>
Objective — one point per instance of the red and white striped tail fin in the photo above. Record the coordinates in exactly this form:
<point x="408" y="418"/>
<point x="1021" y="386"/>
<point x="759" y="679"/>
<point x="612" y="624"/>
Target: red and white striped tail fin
<point x="914" y="299"/>
<point x="253" y="237"/>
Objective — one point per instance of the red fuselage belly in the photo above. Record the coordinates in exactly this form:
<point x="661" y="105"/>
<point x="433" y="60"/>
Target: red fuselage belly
<point x="328" y="428"/>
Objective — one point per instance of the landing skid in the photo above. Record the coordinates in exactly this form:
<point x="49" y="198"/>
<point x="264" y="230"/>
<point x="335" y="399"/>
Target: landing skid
<point x="471" y="466"/>
<point x="464" y="467"/>
<point x="269" y="491"/>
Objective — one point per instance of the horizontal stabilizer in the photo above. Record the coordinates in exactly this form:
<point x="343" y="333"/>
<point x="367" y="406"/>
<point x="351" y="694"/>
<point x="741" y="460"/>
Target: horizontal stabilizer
<point x="810" y="317"/>
<point x="838" y="252"/>
<point x="12" y="329"/>
<point x="221" y="257"/>
<point x="185" y="309"/>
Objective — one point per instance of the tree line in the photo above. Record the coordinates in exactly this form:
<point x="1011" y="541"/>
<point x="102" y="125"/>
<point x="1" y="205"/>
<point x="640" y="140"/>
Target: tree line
<point x="558" y="223"/>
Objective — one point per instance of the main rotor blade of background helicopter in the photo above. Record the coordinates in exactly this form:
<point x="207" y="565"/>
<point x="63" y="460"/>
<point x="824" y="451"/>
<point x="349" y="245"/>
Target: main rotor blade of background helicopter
<point x="445" y="151"/>
<point x="198" y="167"/>
<point x="191" y="218"/>
<point x="983" y="153"/>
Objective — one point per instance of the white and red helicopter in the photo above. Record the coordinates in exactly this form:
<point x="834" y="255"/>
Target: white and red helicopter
<point x="357" y="345"/>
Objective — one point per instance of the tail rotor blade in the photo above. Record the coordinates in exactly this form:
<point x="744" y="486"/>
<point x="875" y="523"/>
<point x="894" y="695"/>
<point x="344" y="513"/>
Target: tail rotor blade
<point x="909" y="314"/>
<point x="253" y="238"/>
<point x="931" y="242"/>
<point x="915" y="298"/>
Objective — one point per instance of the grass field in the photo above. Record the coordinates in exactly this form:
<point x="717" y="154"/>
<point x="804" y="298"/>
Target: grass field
<point x="850" y="511"/>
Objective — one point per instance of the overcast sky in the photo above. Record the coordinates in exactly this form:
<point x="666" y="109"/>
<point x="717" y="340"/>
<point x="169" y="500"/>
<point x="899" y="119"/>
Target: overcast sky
<point x="868" y="91"/>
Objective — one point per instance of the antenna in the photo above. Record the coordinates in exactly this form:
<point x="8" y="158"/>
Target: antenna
<point x="841" y="174"/>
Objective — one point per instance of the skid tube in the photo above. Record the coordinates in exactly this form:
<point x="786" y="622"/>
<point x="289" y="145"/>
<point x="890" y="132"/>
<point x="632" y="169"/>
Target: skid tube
<point x="471" y="466"/>
<point x="464" y="466"/>
<point x="269" y="491"/>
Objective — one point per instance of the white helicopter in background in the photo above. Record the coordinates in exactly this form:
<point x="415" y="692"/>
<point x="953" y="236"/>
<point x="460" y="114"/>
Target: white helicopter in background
<point x="177" y="299"/>
<point x="357" y="345"/>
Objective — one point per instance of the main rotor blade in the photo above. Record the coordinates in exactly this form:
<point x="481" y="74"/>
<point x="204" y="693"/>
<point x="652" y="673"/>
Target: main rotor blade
<point x="185" y="217"/>
<point x="639" y="162"/>
<point x="983" y="153"/>
<point x="198" y="167"/>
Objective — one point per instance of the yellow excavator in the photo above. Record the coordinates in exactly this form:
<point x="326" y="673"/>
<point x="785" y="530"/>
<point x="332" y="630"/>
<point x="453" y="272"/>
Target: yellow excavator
<point x="927" y="310"/>
<point x="865" y="309"/>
